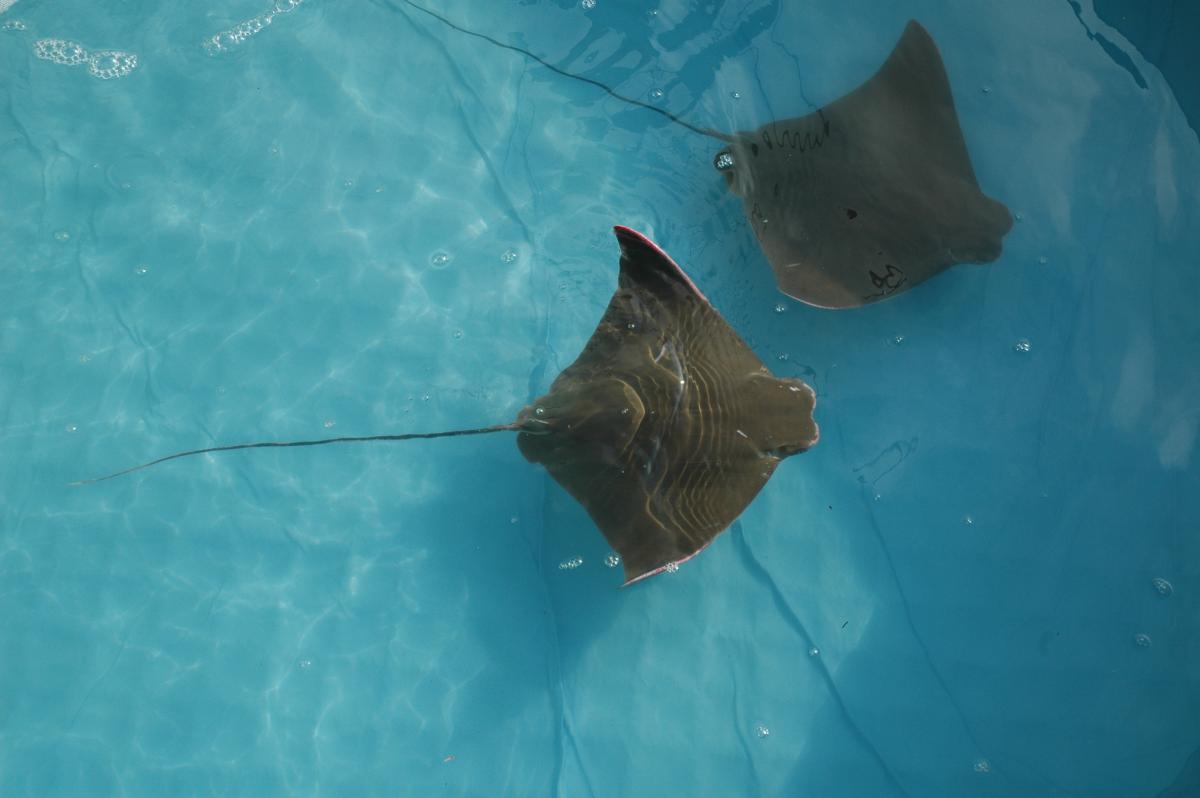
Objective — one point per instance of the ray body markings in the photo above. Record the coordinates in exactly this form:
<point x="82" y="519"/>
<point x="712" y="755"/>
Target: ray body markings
<point x="860" y="200"/>
<point x="664" y="428"/>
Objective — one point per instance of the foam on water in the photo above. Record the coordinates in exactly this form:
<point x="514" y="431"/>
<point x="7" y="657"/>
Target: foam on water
<point x="230" y="38"/>
<point x="102" y="64"/>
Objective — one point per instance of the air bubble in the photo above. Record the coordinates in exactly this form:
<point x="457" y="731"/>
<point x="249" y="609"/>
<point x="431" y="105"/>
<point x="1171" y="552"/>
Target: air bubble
<point x="1142" y="640"/>
<point x="814" y="652"/>
<point x="539" y="411"/>
<point x="514" y="519"/>
<point x="84" y="358"/>
<point x="631" y="325"/>
<point x="1163" y="587"/>
<point x="328" y="423"/>
<point x="440" y="260"/>
<point x="14" y="24"/>
<point x="1022" y="345"/>
<point x="983" y="766"/>
<point x="62" y="235"/>
<point x="761" y="731"/>
<point x="347" y="183"/>
<point x="425" y="397"/>
<point x="897" y="339"/>
<point x="987" y="89"/>
<point x="781" y="308"/>
<point x="656" y="94"/>
<point x="457" y="334"/>
<point x="737" y="95"/>
<point x="968" y="520"/>
<point x="60" y="51"/>
<point x="72" y="428"/>
<point x="571" y="564"/>
<point x="612" y="561"/>
<point x="783" y="357"/>
<point x="671" y="567"/>
<point x="110" y="64"/>
<point x="1043" y="260"/>
<point x="231" y="37"/>
<point x="508" y="256"/>
<point x="305" y="664"/>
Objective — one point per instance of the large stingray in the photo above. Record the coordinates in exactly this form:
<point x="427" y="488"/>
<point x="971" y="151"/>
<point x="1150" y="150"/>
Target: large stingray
<point x="862" y="199"/>
<point x="664" y="428"/>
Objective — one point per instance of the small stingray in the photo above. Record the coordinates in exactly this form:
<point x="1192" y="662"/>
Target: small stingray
<point x="863" y="199"/>
<point x="664" y="428"/>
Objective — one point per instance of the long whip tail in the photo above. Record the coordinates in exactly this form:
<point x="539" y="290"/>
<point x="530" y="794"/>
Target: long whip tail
<point x="283" y="444"/>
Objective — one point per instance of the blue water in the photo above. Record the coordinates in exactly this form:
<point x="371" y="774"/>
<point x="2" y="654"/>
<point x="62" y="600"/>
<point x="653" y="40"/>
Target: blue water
<point x="984" y="581"/>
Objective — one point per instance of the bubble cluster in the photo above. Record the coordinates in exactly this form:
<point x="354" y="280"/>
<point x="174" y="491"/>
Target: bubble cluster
<point x="761" y="731"/>
<point x="230" y="38"/>
<point x="440" y="260"/>
<point x="1043" y="260"/>
<point x="109" y="64"/>
<point x="1142" y="640"/>
<point x="508" y="256"/>
<point x="612" y="561"/>
<point x="102" y="64"/>
<point x="588" y="3"/>
<point x="60" y="51"/>
<point x="897" y="339"/>
<point x="1022" y="345"/>
<point x="968" y="520"/>
<point x="983" y="766"/>
<point x="328" y="423"/>
<point x="305" y="664"/>
<point x="13" y="24"/>
<point x="141" y="269"/>
<point x="571" y="564"/>
<point x="783" y="357"/>
<point x="781" y="308"/>
<point x="62" y="235"/>
<point x="1163" y="587"/>
<point x="656" y="94"/>
<point x="671" y="567"/>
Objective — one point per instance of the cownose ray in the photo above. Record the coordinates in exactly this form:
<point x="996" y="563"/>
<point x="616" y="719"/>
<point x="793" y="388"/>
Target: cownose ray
<point x="664" y="428"/>
<point x="862" y="199"/>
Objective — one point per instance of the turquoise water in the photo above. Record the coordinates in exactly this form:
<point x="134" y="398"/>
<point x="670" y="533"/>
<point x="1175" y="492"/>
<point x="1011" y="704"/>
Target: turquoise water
<point x="982" y="582"/>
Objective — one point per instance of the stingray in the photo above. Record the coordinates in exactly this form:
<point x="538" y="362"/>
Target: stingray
<point x="866" y="197"/>
<point x="664" y="428"/>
